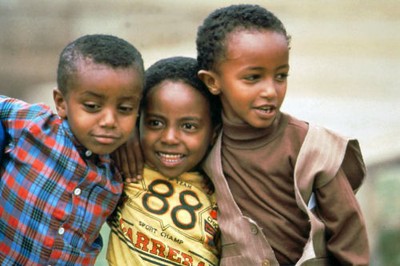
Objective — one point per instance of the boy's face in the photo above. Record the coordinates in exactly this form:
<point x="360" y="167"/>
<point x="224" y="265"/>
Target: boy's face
<point x="175" y="128"/>
<point x="101" y="105"/>
<point x="252" y="77"/>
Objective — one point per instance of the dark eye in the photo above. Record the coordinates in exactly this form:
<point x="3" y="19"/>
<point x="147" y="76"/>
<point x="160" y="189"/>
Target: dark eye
<point x="153" y="123"/>
<point x="92" y="107"/>
<point x="252" y="78"/>
<point x="126" y="109"/>
<point x="282" y="77"/>
<point x="189" y="126"/>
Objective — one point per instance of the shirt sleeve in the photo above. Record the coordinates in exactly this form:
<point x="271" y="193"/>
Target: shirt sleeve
<point x="2" y="139"/>
<point x="17" y="115"/>
<point x="346" y="231"/>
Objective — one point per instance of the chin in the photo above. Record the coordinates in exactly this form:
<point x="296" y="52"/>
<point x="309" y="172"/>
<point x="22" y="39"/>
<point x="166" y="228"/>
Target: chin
<point x="103" y="151"/>
<point x="170" y="174"/>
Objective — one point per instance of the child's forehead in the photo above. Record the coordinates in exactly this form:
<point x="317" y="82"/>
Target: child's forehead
<point x="176" y="89"/>
<point x="253" y="37"/>
<point x="83" y="67"/>
<point x="105" y="79"/>
<point x="178" y="86"/>
<point x="254" y="50"/>
<point x="178" y="99"/>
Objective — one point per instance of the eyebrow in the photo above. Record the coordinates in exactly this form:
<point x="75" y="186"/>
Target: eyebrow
<point x="94" y="94"/>
<point x="192" y="118"/>
<point x="260" y="68"/>
<point x="101" y="96"/>
<point x="185" y="118"/>
<point x="284" y="66"/>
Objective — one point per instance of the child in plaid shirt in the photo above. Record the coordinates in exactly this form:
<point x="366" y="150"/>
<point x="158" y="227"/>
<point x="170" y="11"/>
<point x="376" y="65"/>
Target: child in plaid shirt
<point x="58" y="184"/>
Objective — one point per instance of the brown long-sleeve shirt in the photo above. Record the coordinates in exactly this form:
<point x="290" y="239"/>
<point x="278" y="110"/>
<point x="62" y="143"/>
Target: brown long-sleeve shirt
<point x="259" y="167"/>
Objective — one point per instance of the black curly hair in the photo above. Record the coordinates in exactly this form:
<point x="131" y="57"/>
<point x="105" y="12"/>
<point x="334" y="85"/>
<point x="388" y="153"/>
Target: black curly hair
<point x="212" y="34"/>
<point x="101" y="49"/>
<point x="183" y="69"/>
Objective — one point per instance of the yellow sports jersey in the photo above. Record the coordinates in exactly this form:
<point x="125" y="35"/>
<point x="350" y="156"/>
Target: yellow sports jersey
<point x="164" y="221"/>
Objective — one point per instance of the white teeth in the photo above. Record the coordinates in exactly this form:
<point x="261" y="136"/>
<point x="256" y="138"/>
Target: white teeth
<point x="170" y="156"/>
<point x="267" y="109"/>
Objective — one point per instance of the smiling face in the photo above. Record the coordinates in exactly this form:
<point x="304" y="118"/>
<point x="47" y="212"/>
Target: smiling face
<point x="101" y="105"/>
<point x="175" y="128"/>
<point x="252" y="77"/>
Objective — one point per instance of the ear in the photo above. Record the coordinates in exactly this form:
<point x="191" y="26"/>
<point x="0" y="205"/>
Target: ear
<point x="211" y="80"/>
<point x="60" y="103"/>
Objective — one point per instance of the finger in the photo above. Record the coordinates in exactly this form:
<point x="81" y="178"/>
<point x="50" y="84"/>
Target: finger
<point x="117" y="160"/>
<point x="124" y="161"/>
<point x="131" y="180"/>
<point x="131" y="158"/>
<point x="139" y="161"/>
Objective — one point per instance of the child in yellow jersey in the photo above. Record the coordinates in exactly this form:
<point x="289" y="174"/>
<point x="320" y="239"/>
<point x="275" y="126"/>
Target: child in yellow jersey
<point x="168" y="217"/>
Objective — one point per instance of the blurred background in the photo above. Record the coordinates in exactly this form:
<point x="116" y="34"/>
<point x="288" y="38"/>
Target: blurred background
<point x="345" y="68"/>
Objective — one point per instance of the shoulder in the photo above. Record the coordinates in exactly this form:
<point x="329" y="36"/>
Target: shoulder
<point x="19" y="117"/>
<point x="12" y="108"/>
<point x="295" y="129"/>
<point x="296" y="124"/>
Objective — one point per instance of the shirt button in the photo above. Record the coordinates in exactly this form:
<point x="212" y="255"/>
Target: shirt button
<point x="266" y="263"/>
<point x="88" y="153"/>
<point x="61" y="230"/>
<point x="254" y="230"/>
<point x="77" y="191"/>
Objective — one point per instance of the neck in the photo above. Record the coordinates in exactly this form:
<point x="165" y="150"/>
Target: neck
<point x="244" y="134"/>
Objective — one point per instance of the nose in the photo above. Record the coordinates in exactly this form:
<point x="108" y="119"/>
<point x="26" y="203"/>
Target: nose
<point x="269" y="89"/>
<point x="170" y="136"/>
<point x="108" y="118"/>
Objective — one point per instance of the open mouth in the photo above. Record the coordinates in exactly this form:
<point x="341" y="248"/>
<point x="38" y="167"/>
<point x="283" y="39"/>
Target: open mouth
<point x="170" y="159"/>
<point x="266" y="109"/>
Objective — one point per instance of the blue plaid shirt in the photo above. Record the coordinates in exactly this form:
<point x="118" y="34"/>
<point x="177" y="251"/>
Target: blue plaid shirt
<point x="2" y="140"/>
<point x="54" y="194"/>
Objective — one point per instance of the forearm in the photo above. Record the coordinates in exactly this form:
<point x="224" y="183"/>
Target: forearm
<point x="346" y="232"/>
<point x="129" y="159"/>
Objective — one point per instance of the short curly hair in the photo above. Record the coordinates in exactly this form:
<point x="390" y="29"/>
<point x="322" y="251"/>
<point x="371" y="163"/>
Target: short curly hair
<point x="101" y="49"/>
<point x="212" y="34"/>
<point x="183" y="69"/>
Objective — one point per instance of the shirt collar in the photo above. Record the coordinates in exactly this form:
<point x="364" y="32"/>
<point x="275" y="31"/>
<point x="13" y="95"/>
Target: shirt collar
<point x="245" y="136"/>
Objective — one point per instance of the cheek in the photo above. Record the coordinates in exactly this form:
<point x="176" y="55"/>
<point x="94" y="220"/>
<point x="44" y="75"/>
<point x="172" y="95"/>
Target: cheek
<point x="282" y="94"/>
<point x="79" y="123"/>
<point x="127" y="124"/>
<point x="201" y="144"/>
<point x="238" y="95"/>
<point x="147" y="140"/>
